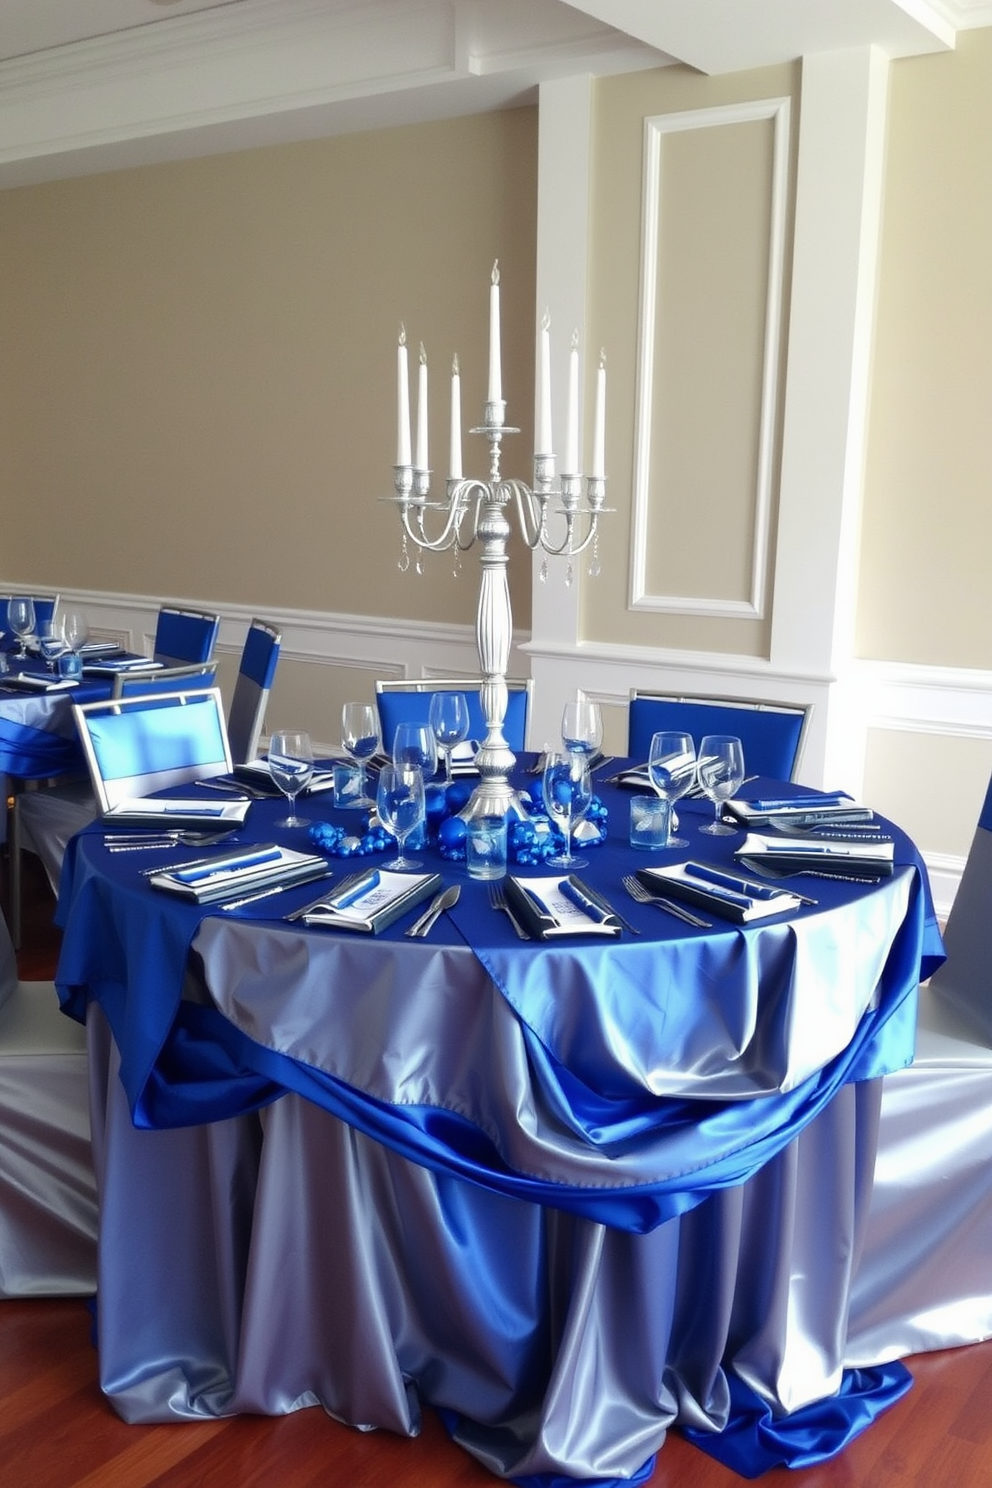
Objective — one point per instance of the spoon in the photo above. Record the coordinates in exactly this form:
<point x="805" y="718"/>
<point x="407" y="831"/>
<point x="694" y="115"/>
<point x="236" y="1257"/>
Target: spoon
<point x="438" y="905"/>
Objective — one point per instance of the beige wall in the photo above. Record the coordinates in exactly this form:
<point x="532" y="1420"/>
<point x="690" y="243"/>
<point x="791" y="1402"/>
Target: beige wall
<point x="927" y="535"/>
<point x="197" y="377"/>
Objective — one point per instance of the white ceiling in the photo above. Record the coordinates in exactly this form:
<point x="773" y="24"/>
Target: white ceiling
<point x="91" y="85"/>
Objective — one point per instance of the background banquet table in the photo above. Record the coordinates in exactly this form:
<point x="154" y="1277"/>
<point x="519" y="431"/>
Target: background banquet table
<point x="570" y="1195"/>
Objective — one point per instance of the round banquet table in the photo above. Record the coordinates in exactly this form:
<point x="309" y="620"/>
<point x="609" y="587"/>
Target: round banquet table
<point x="568" y="1194"/>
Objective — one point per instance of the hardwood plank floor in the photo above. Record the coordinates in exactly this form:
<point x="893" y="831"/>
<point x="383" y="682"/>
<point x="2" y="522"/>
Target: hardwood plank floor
<point x="57" y="1430"/>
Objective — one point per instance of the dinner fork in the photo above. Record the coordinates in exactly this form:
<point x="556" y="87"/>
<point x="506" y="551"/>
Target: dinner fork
<point x="637" y="891"/>
<point x="497" y="899"/>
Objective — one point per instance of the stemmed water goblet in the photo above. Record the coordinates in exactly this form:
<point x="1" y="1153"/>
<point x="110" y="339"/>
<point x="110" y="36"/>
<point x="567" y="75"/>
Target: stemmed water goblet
<point x="567" y="796"/>
<point x="360" y="737"/>
<point x="21" y="619"/>
<point x="400" y="807"/>
<point x="720" y="768"/>
<point x="449" y="723"/>
<point x="582" y="727"/>
<point x="291" y="767"/>
<point x="415" y="744"/>
<point x="672" y="771"/>
<point x="75" y="629"/>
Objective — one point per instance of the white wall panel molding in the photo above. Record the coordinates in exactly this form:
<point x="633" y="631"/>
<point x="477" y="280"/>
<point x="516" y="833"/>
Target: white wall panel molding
<point x="656" y="130"/>
<point x="393" y="647"/>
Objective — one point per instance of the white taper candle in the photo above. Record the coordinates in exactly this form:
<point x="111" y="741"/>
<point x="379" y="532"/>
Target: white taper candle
<point x="455" y="456"/>
<point x="403" y="402"/>
<point x="495" y="372"/>
<point x="422" y="462"/>
<point x="545" y="445"/>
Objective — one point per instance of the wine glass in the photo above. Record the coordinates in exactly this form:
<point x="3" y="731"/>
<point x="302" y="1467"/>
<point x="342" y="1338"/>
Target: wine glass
<point x="449" y="723"/>
<point x="360" y="737"/>
<point x="20" y="618"/>
<point x="400" y="806"/>
<point x="582" y="727"/>
<point x="567" y="795"/>
<point x="672" y="770"/>
<point x="415" y="744"/>
<point x="291" y="767"/>
<point x="720" y="767"/>
<point x="75" y="629"/>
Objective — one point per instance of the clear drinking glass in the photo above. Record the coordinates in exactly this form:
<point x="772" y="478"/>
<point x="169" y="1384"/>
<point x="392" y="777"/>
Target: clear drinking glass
<point x="720" y="767"/>
<point x="582" y="727"/>
<point x="567" y="796"/>
<point x="449" y="722"/>
<point x="672" y="770"/>
<point x="21" y="619"/>
<point x="415" y="744"/>
<point x="400" y="807"/>
<point x="360" y="737"/>
<point x="75" y="629"/>
<point x="291" y="767"/>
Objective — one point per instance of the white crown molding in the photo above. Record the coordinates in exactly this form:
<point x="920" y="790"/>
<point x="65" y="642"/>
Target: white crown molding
<point x="269" y="71"/>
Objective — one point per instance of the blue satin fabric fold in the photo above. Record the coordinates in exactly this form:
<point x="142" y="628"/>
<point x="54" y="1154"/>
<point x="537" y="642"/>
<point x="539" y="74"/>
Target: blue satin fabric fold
<point x="754" y="1441"/>
<point x="35" y="754"/>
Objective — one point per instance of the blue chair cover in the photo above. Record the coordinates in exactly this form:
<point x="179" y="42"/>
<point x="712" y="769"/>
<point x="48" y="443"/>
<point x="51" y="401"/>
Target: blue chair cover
<point x="260" y="655"/>
<point x="133" y="750"/>
<point x="44" y="611"/>
<point x="770" y="739"/>
<point x="414" y="707"/>
<point x="185" y="635"/>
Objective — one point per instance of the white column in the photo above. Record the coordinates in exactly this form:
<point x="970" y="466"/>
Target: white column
<point x="838" y="204"/>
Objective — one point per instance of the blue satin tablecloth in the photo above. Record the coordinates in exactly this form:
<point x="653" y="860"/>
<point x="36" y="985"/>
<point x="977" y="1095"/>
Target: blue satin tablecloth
<point x="570" y="1194"/>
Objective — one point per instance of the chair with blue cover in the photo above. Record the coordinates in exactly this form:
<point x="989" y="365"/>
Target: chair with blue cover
<point x="45" y="606"/>
<point x="772" y="733"/>
<point x="48" y="1200"/>
<point x="410" y="702"/>
<point x="256" y="673"/>
<point x="184" y="636"/>
<point x="46" y="819"/>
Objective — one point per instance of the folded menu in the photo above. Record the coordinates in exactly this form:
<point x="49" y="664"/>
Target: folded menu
<point x="156" y="811"/>
<point x="807" y="809"/>
<point x="720" y="892"/>
<point x="553" y="907"/>
<point x="256" y="775"/>
<point x="111" y="666"/>
<point x="38" y="682"/>
<point x="841" y="854"/>
<point x="241" y="871"/>
<point x="372" y="902"/>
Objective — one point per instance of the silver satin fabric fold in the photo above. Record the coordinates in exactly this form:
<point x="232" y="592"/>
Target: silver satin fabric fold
<point x="274" y="1262"/>
<point x="924" y="1279"/>
<point x="48" y="1197"/>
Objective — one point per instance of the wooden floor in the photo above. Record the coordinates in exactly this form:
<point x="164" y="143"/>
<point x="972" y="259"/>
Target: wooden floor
<point x="56" y="1430"/>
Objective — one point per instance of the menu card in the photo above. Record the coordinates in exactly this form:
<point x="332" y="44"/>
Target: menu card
<point x="241" y="870"/>
<point x="722" y="893"/>
<point x="38" y="681"/>
<point x="157" y="811"/>
<point x="797" y="811"/>
<point x="552" y="907"/>
<point x="372" y="902"/>
<point x="840" y="853"/>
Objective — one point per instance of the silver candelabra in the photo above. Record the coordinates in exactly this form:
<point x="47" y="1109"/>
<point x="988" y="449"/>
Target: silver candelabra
<point x="475" y="510"/>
